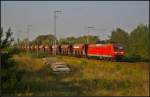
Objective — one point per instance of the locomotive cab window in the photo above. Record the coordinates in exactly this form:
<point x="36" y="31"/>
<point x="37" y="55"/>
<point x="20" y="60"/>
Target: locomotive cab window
<point x="118" y="47"/>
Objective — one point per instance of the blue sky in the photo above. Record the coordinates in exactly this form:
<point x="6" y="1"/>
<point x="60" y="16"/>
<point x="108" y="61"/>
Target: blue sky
<point x="76" y="16"/>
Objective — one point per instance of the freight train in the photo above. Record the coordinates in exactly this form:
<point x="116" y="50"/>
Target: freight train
<point x="101" y="51"/>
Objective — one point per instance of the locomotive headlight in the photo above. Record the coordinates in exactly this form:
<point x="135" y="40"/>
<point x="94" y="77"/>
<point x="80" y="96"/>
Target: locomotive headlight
<point x="122" y="52"/>
<point x="116" y="52"/>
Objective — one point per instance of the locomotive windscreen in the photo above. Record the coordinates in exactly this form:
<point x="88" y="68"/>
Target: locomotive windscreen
<point x="118" y="47"/>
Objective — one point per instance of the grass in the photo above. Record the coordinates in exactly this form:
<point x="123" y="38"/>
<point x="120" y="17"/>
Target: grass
<point x="88" y="77"/>
<point x="28" y="63"/>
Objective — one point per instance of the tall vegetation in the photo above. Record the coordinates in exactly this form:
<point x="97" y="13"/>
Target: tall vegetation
<point x="88" y="39"/>
<point x="49" y="40"/>
<point x="136" y="43"/>
<point x="5" y="41"/>
<point x="68" y="40"/>
<point x="139" y="42"/>
<point x="81" y="39"/>
<point x="9" y="75"/>
<point x="121" y="37"/>
<point x="44" y="39"/>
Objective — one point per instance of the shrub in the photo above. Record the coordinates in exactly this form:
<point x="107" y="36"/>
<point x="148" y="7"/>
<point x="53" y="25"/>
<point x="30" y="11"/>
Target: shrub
<point x="9" y="74"/>
<point x="131" y="59"/>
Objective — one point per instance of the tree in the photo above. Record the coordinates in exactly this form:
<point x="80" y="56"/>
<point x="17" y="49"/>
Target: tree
<point x="90" y="38"/>
<point x="10" y="76"/>
<point x="121" y="37"/>
<point x="139" y="42"/>
<point x="136" y="43"/>
<point x="68" y="40"/>
<point x="44" y="39"/>
<point x="5" y="41"/>
<point x="81" y="39"/>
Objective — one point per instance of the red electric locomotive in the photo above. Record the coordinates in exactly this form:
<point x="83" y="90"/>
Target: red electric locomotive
<point x="109" y="51"/>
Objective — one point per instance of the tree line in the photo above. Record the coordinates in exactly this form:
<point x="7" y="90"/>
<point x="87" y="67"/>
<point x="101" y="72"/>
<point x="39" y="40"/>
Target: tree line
<point x="135" y="43"/>
<point x="49" y="40"/>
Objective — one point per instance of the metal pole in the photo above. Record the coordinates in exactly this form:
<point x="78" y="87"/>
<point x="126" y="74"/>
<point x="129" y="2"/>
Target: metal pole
<point x="28" y="30"/>
<point x="37" y="48"/>
<point x="88" y="34"/>
<point x="54" y="31"/>
<point x="27" y="38"/>
<point x="18" y="40"/>
<point x="55" y="12"/>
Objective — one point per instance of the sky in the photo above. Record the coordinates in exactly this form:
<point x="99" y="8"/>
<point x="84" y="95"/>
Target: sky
<point x="74" y="19"/>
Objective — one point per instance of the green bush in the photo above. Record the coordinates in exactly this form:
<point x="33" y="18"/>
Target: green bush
<point x="10" y="76"/>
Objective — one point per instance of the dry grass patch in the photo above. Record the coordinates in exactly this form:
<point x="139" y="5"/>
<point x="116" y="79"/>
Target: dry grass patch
<point x="88" y="77"/>
<point x="28" y="63"/>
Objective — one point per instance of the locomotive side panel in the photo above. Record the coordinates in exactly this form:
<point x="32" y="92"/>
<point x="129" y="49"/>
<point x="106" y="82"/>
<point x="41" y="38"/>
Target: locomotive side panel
<point x="101" y="50"/>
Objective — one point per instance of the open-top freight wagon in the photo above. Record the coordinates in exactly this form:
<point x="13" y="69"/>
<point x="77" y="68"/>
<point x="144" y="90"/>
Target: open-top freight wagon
<point x="66" y="49"/>
<point x="56" y="49"/>
<point x="48" y="49"/>
<point x="79" y="50"/>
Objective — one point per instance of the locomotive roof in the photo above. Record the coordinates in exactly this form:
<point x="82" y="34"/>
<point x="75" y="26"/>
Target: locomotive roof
<point x="99" y="44"/>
